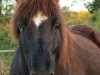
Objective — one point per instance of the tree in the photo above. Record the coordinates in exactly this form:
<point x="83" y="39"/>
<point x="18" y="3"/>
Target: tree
<point x="75" y="18"/>
<point x="94" y="6"/>
<point x="5" y="11"/>
<point x="5" y="26"/>
<point x="65" y="9"/>
<point x="0" y="7"/>
<point x="96" y="21"/>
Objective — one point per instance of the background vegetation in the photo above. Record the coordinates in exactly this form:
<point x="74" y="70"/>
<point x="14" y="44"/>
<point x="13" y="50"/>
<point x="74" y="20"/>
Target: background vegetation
<point x="91" y="18"/>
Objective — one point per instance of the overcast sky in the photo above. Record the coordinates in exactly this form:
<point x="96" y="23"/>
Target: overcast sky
<point x="75" y="6"/>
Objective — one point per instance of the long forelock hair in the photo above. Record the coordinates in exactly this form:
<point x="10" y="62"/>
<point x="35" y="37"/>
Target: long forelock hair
<point x="26" y="8"/>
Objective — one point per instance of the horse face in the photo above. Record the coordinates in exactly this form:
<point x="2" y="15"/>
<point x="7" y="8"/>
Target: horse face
<point x="40" y="40"/>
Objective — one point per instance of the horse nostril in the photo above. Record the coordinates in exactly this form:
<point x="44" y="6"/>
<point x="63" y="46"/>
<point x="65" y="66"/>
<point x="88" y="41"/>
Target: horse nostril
<point x="51" y="73"/>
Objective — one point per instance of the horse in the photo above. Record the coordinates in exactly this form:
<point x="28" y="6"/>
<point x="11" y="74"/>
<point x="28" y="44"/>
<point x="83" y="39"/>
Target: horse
<point x="46" y="46"/>
<point x="86" y="31"/>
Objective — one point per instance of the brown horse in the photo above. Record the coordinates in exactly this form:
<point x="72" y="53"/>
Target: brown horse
<point x="46" y="47"/>
<point x="86" y="31"/>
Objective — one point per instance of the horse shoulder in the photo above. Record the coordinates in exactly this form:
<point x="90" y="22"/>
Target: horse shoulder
<point x="87" y="54"/>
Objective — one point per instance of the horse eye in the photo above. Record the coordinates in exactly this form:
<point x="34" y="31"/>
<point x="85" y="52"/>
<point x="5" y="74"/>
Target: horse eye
<point x="56" y="24"/>
<point x="20" y="28"/>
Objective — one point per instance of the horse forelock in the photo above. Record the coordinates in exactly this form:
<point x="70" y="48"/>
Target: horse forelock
<point x="29" y="8"/>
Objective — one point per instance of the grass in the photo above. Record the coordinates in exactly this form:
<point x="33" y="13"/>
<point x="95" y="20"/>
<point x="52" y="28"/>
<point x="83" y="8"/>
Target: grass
<point x="5" y="63"/>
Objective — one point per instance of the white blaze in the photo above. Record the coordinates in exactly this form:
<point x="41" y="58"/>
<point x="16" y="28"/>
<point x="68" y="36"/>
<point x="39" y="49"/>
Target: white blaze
<point x="39" y="18"/>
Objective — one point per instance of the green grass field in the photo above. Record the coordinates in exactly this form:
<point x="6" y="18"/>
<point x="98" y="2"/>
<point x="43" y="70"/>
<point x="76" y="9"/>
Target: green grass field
<point x="5" y="62"/>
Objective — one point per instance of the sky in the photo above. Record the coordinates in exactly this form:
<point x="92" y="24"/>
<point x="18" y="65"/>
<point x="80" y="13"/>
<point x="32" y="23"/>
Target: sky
<point x="75" y="6"/>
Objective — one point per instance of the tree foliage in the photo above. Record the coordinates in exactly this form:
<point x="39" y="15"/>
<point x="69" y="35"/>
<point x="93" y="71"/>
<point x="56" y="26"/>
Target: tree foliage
<point x="96" y="20"/>
<point x="94" y="6"/>
<point x="5" y="11"/>
<point x="76" y="18"/>
<point x="6" y="41"/>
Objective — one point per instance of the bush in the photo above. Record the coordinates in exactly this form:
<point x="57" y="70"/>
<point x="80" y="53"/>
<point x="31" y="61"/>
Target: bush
<point x="96" y="19"/>
<point x="5" y="63"/>
<point x="6" y="40"/>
